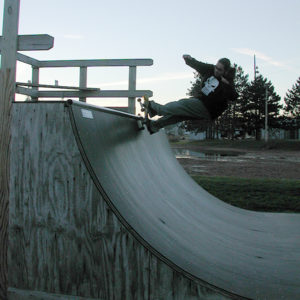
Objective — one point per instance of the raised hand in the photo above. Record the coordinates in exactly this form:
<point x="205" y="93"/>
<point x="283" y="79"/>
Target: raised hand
<point x="186" y="56"/>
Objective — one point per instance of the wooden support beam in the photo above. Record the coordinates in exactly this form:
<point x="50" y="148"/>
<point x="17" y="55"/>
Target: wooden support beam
<point x="132" y="87"/>
<point x="91" y="94"/>
<point x="35" y="81"/>
<point x="65" y="87"/>
<point x="96" y="63"/>
<point x="87" y="93"/>
<point x="7" y="94"/>
<point x="83" y="80"/>
<point x="27" y="60"/>
<point x="27" y="92"/>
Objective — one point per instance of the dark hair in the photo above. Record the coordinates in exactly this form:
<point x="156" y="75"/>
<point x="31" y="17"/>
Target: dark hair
<point x="229" y="71"/>
<point x="225" y="62"/>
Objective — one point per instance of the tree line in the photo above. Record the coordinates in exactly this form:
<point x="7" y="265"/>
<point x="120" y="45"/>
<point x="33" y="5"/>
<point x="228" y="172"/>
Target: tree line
<point x="246" y="115"/>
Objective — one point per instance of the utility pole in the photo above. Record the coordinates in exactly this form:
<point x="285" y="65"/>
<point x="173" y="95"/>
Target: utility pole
<point x="254" y="67"/>
<point x="7" y="96"/>
<point x="266" y="116"/>
<point x="256" y="110"/>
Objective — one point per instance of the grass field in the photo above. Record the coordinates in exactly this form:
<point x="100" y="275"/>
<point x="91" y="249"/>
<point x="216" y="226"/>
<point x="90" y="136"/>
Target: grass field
<point x="272" y="195"/>
<point x="259" y="194"/>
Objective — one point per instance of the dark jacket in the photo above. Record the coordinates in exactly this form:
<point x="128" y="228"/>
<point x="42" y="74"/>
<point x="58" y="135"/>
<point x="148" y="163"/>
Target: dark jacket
<point x="214" y="94"/>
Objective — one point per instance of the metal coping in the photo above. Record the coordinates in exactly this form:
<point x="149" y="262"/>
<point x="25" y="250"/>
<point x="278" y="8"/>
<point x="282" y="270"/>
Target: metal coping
<point x="70" y="102"/>
<point x="103" y="109"/>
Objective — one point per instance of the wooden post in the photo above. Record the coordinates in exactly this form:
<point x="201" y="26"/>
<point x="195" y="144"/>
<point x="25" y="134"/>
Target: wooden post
<point x="35" y="80"/>
<point x="83" y="81"/>
<point x="7" y="95"/>
<point x="132" y="87"/>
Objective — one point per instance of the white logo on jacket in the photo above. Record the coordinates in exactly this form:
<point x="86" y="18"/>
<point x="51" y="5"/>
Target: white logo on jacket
<point x="210" y="85"/>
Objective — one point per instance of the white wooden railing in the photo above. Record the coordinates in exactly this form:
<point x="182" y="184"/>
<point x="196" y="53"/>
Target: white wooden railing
<point x="82" y="92"/>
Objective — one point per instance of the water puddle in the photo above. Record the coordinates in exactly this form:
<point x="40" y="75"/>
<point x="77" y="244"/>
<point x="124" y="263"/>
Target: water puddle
<point x="209" y="155"/>
<point x="230" y="156"/>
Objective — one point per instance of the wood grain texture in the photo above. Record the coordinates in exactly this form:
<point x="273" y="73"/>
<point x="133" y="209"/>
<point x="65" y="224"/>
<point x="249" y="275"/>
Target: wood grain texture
<point x="7" y="95"/>
<point x="64" y="238"/>
<point x="6" y="91"/>
<point x="167" y="284"/>
<point x="18" y="294"/>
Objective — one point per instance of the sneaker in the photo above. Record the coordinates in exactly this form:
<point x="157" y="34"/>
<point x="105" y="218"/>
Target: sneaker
<point x="150" y="127"/>
<point x="152" y="113"/>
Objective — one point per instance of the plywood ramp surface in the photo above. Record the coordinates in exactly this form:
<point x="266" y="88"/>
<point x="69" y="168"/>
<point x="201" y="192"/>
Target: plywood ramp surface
<point x="100" y="209"/>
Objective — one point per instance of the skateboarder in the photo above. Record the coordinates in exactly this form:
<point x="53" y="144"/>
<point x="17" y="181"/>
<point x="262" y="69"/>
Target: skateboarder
<point x="216" y="90"/>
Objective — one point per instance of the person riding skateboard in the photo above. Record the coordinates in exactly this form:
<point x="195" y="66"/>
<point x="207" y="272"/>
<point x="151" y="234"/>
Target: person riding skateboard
<point x="217" y="89"/>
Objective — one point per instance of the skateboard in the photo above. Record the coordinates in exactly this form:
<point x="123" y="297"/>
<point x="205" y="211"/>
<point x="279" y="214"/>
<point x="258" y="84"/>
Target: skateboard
<point x="145" y="119"/>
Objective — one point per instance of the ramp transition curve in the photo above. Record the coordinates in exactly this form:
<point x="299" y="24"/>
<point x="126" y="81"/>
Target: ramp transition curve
<point x="247" y="254"/>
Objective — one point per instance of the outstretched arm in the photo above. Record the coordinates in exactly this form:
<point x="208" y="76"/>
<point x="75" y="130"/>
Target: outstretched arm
<point x="199" y="66"/>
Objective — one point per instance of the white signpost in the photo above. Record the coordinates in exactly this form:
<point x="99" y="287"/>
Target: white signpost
<point x="32" y="42"/>
<point x="10" y="43"/>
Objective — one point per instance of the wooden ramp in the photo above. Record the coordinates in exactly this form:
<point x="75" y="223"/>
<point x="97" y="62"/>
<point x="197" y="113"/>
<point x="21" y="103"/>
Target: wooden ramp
<point x="101" y="210"/>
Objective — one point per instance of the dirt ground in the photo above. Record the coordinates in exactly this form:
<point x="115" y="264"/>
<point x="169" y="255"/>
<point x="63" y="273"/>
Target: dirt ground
<point x="247" y="164"/>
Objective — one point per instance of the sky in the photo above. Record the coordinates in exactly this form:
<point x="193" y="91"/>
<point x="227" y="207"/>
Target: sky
<point x="164" y="30"/>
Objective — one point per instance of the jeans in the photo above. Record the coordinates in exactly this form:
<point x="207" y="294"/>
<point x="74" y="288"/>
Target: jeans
<point x="178" y="111"/>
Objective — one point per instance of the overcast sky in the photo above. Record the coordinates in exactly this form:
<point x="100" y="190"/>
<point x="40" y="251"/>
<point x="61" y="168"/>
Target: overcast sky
<point x="164" y="30"/>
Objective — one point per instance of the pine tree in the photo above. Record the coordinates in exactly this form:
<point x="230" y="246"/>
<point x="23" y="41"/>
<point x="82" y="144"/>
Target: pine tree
<point x="253" y="109"/>
<point x="292" y="101"/>
<point x="232" y="118"/>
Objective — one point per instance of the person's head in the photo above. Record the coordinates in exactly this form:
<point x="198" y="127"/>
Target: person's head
<point x="222" y="67"/>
